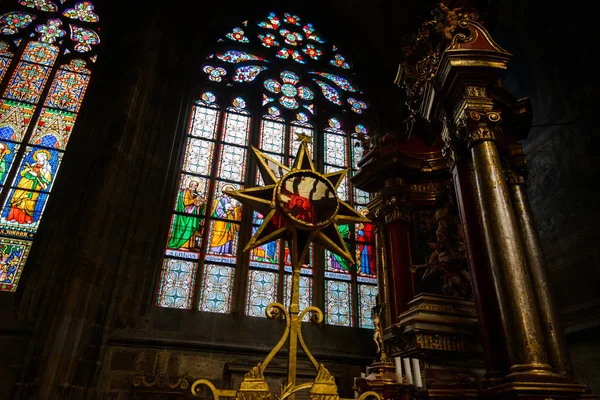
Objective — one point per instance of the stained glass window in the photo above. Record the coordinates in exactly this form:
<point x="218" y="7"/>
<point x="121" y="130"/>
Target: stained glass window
<point x="39" y="105"/>
<point x="279" y="81"/>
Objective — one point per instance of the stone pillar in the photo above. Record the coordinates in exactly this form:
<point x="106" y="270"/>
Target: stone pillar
<point x="550" y="321"/>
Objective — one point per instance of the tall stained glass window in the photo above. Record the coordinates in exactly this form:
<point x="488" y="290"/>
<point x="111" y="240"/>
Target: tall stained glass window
<point x="47" y="51"/>
<point x="267" y="84"/>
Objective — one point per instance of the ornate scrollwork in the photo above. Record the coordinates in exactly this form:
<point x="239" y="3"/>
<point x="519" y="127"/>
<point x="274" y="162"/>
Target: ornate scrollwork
<point x="161" y="380"/>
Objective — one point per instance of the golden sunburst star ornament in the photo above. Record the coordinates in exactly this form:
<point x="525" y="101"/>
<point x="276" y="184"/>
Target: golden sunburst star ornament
<point x="299" y="204"/>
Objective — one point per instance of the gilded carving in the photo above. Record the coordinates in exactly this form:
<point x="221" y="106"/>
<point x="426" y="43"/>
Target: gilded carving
<point x="161" y="380"/>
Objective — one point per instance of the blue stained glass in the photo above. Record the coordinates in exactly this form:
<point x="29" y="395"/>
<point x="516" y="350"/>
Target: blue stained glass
<point x="215" y="74"/>
<point x="262" y="291"/>
<point x="273" y="22"/>
<point x="237" y="35"/>
<point x="238" y="102"/>
<point x="338" y="309"/>
<point x="311" y="108"/>
<point x="309" y="31"/>
<point x="304" y="295"/>
<point x="177" y="284"/>
<point x="208" y="97"/>
<point x="291" y="19"/>
<point x="265" y="256"/>
<point x="289" y="102"/>
<point x="10" y="23"/>
<point x="266" y="99"/>
<point x="289" y="77"/>
<point x="367" y="299"/>
<point x="247" y="73"/>
<point x="360" y="128"/>
<point x="235" y="56"/>
<point x="272" y="86"/>
<point x="14" y="254"/>
<point x="357" y="105"/>
<point x="268" y="40"/>
<point x="305" y="93"/>
<point x="302" y="117"/>
<point x="312" y="51"/>
<point x="285" y="53"/>
<point x="340" y="61"/>
<point x="8" y="150"/>
<point x="217" y="289"/>
<point x="329" y="92"/>
<point x="274" y="111"/>
<point x="335" y="123"/>
<point x="291" y="38"/>
<point x="38" y="169"/>
<point x="343" y="83"/>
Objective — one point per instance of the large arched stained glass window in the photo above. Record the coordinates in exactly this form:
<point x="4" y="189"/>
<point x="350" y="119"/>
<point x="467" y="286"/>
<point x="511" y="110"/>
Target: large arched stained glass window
<point x="46" y="50"/>
<point x="268" y="83"/>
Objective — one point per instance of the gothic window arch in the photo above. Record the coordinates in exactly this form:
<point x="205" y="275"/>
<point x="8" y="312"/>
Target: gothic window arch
<point x="47" y="49"/>
<point x="267" y="82"/>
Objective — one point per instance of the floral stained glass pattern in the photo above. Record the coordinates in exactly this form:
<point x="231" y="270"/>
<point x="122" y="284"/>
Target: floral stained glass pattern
<point x="67" y="90"/>
<point x="217" y="289"/>
<point x="291" y="38"/>
<point x="27" y="82"/>
<point x="51" y="31"/>
<point x="215" y="74"/>
<point x="247" y="73"/>
<point x="10" y="23"/>
<point x="341" y="82"/>
<point x="367" y="299"/>
<point x="272" y="138"/>
<point x="338" y="303"/>
<point x="235" y="56"/>
<point x="177" y="284"/>
<point x="312" y="51"/>
<point x="237" y="129"/>
<point x="42" y="5"/>
<point x="310" y="33"/>
<point x="335" y="150"/>
<point x="289" y="90"/>
<point x="268" y="40"/>
<point x="83" y="38"/>
<point x="14" y="119"/>
<point x="82" y="11"/>
<point x="357" y="106"/>
<point x="272" y="23"/>
<point x="14" y="253"/>
<point x="262" y="291"/>
<point x="204" y="122"/>
<point x="340" y="61"/>
<point x="329" y="92"/>
<point x="198" y="156"/>
<point x="232" y="163"/>
<point x="237" y="35"/>
<point x="286" y="53"/>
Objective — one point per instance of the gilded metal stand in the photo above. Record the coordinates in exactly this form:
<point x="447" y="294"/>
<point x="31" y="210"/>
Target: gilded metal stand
<point x="301" y="206"/>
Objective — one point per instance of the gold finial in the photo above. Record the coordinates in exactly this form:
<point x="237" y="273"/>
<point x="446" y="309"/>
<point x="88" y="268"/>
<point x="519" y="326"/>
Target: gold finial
<point x="303" y="138"/>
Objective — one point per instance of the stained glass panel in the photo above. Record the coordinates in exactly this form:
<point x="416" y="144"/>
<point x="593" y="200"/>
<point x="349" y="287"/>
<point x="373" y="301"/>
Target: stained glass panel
<point x="367" y="299"/>
<point x="53" y="128"/>
<point x="8" y="150"/>
<point x="224" y="206"/>
<point x="265" y="256"/>
<point x="217" y="289"/>
<point x="365" y="255"/>
<point x="262" y="291"/>
<point x="305" y="293"/>
<point x="232" y="164"/>
<point x="329" y="92"/>
<point x="357" y="106"/>
<point x="82" y="11"/>
<point x="306" y="268"/>
<point x="42" y="5"/>
<point x="335" y="150"/>
<point x="83" y="38"/>
<point x="360" y="196"/>
<point x="247" y="73"/>
<point x="37" y="170"/>
<point x="268" y="40"/>
<point x="177" y="284"/>
<point x="341" y="82"/>
<point x="27" y="82"/>
<point x="222" y="242"/>
<point x="237" y="35"/>
<point x="235" y="56"/>
<point x="50" y="32"/>
<point x="67" y="90"/>
<point x="4" y="62"/>
<point x="272" y="138"/>
<point x="204" y="122"/>
<point x="40" y="53"/>
<point x="338" y="300"/>
<point x="14" y="119"/>
<point x="237" y="129"/>
<point x="215" y="74"/>
<point x="11" y="22"/>
<point x="198" y="156"/>
<point x="340" y="61"/>
<point x="14" y="254"/>
<point x="185" y="236"/>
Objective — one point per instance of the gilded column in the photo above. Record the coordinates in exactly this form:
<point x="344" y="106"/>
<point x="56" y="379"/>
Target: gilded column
<point x="557" y="348"/>
<point x="492" y="336"/>
<point x="504" y="247"/>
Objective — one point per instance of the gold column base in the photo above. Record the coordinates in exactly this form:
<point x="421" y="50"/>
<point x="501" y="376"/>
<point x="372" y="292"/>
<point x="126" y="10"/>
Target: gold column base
<point x="533" y="372"/>
<point x="535" y="391"/>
